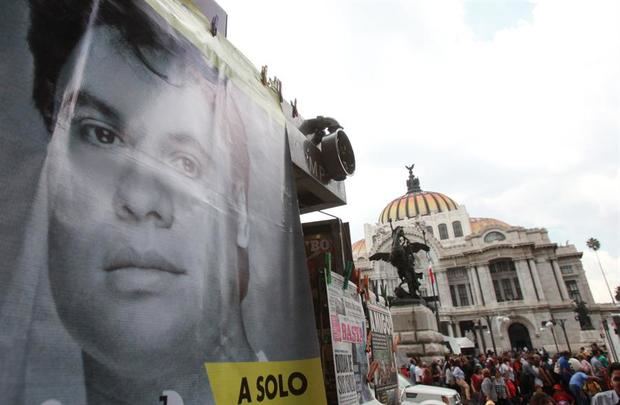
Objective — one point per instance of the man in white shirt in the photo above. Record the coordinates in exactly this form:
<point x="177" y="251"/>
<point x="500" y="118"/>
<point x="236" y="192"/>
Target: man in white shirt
<point x="611" y="397"/>
<point x="419" y="372"/>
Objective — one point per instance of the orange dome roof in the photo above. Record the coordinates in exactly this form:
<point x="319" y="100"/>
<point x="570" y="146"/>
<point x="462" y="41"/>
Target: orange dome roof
<point x="481" y="224"/>
<point x="414" y="204"/>
<point x="358" y="249"/>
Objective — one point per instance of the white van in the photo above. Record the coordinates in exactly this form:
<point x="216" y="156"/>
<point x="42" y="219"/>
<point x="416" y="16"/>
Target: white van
<point x="420" y="394"/>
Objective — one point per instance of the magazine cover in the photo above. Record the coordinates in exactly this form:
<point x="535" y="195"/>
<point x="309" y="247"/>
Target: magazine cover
<point x="382" y="331"/>
<point x="348" y="336"/>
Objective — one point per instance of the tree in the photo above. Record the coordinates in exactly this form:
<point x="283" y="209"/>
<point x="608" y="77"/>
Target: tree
<point x="595" y="245"/>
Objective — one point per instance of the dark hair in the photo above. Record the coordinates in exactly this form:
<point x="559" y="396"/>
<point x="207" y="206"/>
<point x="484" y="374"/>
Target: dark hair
<point x="615" y="366"/>
<point x="540" y="398"/>
<point x="57" y="27"/>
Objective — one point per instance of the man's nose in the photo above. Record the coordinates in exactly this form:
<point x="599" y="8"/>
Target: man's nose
<point x="142" y="196"/>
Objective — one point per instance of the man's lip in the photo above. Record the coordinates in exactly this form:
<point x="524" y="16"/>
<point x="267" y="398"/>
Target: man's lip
<point x="131" y="266"/>
<point x="128" y="259"/>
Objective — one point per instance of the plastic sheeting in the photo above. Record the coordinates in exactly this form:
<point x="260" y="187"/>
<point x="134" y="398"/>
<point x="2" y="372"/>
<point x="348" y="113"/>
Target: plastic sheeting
<point x="150" y="241"/>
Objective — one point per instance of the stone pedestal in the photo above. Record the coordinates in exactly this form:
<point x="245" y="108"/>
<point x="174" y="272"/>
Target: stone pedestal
<point x="416" y="326"/>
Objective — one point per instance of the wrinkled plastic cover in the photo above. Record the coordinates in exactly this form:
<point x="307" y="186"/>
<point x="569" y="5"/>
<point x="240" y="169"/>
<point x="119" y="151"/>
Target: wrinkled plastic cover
<point x="150" y="244"/>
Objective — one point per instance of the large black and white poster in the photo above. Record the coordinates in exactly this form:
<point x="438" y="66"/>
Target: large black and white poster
<point x="151" y="249"/>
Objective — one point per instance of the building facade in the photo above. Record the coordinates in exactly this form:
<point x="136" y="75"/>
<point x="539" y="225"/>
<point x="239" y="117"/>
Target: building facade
<point x="501" y="285"/>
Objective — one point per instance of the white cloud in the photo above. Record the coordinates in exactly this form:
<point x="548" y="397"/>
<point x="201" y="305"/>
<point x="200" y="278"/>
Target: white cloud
<point x="524" y="126"/>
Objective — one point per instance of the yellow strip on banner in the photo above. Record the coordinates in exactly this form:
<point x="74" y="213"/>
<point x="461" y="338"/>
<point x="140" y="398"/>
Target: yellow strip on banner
<point x="275" y="383"/>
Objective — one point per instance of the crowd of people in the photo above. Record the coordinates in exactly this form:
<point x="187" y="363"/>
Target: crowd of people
<point x="524" y="377"/>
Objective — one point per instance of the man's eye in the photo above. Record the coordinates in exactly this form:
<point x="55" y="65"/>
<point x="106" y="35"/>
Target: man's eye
<point x="99" y="135"/>
<point x="187" y="165"/>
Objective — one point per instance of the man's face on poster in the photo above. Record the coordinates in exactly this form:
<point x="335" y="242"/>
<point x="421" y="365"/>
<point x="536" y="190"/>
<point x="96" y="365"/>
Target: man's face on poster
<point x="143" y="217"/>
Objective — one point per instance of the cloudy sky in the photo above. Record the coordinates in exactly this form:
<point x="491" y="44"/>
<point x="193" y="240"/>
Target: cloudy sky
<point x="512" y="108"/>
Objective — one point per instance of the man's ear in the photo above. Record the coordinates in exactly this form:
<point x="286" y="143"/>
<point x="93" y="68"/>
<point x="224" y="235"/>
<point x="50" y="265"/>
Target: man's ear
<point x="243" y="228"/>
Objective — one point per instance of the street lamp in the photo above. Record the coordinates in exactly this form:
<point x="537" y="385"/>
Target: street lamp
<point x="549" y="326"/>
<point x="562" y="322"/>
<point x="550" y="323"/>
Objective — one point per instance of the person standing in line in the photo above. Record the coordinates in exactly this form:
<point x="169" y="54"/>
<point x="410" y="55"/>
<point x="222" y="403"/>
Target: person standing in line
<point x="611" y="397"/>
<point x="500" y="388"/>
<point x="449" y="376"/>
<point x="418" y="374"/>
<point x="459" y="378"/>
<point x="476" y="384"/>
<point x="427" y="376"/>
<point x="599" y="369"/>
<point x="526" y="382"/>
<point x="507" y="370"/>
<point x="585" y="364"/>
<point x="576" y="384"/>
<point x="564" y="368"/>
<point x="412" y="377"/>
<point x="488" y="387"/>
<point x="436" y="373"/>
<point x="561" y="396"/>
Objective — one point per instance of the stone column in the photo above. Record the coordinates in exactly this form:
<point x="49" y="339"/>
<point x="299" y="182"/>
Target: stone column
<point x="487" y="285"/>
<point x="552" y="281"/>
<point x="527" y="286"/>
<point x="556" y="269"/>
<point x="477" y="333"/>
<point x="417" y="327"/>
<point x="474" y="286"/>
<point x="450" y="329"/>
<point x="443" y="289"/>
<point x="539" y="285"/>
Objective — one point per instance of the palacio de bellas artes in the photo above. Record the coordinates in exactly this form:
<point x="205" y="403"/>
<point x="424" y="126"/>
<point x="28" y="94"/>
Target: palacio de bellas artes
<point x="502" y="286"/>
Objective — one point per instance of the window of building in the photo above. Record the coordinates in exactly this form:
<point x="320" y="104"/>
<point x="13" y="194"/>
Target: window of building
<point x="463" y="295"/>
<point x="443" y="231"/>
<point x="498" y="290"/>
<point x="429" y="230"/>
<point x="460" y="288"/>
<point x="466" y="326"/>
<point x="443" y="328"/>
<point x="517" y="285"/>
<point x="566" y="269"/>
<point x="457" y="228"/>
<point x="507" y="289"/>
<point x="457" y="274"/>
<point x="505" y="280"/>
<point x="573" y="290"/>
<point x="455" y="301"/>
<point x="494" y="236"/>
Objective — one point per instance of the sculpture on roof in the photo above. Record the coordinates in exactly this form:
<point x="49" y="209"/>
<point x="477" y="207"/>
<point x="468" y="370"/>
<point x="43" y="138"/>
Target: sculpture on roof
<point x="413" y="183"/>
<point x="402" y="256"/>
<point x="583" y="316"/>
